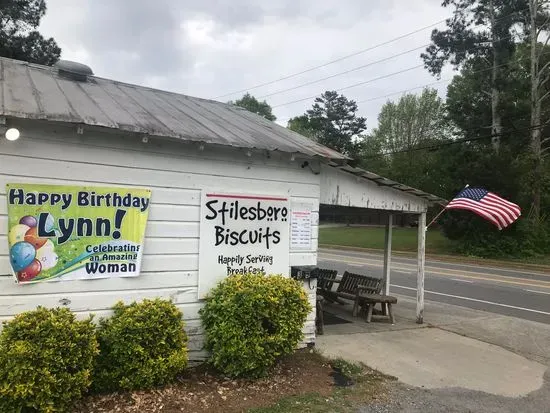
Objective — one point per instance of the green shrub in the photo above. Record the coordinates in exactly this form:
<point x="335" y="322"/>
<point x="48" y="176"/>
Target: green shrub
<point x="251" y="320"/>
<point x="142" y="345"/>
<point x="46" y="360"/>
<point x="473" y="236"/>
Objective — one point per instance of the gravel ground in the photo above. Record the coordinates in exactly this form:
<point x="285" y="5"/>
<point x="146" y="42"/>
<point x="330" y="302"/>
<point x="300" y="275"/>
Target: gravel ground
<point x="404" y="399"/>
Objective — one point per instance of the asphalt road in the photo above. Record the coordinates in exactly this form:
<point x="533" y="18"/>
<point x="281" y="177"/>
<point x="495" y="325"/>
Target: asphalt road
<point x="513" y="292"/>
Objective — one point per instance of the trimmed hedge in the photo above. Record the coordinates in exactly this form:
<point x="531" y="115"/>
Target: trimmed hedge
<point x="251" y="320"/>
<point x="46" y="360"/>
<point x="141" y="346"/>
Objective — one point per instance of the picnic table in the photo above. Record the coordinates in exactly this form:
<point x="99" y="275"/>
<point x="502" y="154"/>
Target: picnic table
<point x="370" y="300"/>
<point x="363" y="290"/>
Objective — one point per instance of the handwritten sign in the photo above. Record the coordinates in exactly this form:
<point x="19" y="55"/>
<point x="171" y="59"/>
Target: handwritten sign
<point x="242" y="233"/>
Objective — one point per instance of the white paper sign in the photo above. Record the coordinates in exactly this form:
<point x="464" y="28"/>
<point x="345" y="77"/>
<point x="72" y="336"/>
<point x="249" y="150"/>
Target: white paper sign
<point x="242" y="233"/>
<point x="300" y="227"/>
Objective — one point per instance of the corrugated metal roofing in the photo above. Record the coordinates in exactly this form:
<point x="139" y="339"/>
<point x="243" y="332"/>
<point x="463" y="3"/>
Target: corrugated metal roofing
<point x="31" y="91"/>
<point x="381" y="181"/>
<point x="38" y="92"/>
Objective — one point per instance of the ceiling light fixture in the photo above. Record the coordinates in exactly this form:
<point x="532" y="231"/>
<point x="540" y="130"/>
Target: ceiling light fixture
<point x="12" y="134"/>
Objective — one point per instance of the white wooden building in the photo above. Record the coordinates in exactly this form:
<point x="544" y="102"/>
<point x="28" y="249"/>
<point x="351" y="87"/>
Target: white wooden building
<point x="78" y="129"/>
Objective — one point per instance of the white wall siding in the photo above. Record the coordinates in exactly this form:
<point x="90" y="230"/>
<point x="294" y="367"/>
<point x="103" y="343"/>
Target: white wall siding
<point x="345" y="189"/>
<point x="176" y="174"/>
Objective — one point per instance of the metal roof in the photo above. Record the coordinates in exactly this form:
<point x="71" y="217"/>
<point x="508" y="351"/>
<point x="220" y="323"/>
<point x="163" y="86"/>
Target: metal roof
<point x="381" y="181"/>
<point x="31" y="91"/>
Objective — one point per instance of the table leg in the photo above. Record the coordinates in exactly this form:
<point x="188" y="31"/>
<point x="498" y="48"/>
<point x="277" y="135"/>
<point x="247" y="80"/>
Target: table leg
<point x="390" y="311"/>
<point x="369" y="314"/>
<point x="320" y="321"/>
<point x="355" y="306"/>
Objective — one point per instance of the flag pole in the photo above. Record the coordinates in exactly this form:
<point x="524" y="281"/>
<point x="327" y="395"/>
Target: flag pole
<point x="444" y="209"/>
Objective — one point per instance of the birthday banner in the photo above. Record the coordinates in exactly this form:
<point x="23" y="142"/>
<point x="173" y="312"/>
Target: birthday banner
<point x="75" y="233"/>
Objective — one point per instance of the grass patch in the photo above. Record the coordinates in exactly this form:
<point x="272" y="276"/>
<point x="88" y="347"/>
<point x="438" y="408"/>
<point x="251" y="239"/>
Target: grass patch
<point x="403" y="239"/>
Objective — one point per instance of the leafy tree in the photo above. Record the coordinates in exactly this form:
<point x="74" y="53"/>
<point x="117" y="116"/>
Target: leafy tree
<point x="302" y="125"/>
<point x="253" y="105"/>
<point x="479" y="29"/>
<point x="539" y="23"/>
<point x="406" y="127"/>
<point x="18" y="37"/>
<point x="373" y="156"/>
<point x="508" y="173"/>
<point x="334" y="122"/>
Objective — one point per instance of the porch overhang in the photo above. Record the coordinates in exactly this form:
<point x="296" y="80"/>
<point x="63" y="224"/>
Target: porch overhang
<point x="346" y="186"/>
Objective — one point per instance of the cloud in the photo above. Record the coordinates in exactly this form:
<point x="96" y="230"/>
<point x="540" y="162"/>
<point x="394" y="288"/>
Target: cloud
<point x="211" y="47"/>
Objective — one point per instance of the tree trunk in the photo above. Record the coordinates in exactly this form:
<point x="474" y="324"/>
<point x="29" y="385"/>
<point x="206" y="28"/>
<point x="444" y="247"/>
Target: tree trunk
<point x="536" y="148"/>
<point x="496" y="129"/>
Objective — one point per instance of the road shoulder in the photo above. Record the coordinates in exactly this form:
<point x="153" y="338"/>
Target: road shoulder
<point x="515" y="265"/>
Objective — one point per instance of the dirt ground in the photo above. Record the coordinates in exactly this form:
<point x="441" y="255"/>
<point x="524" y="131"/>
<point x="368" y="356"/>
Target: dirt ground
<point x="305" y="373"/>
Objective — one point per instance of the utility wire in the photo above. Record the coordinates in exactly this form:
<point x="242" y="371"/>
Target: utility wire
<point x="453" y="142"/>
<point x="354" y="69"/>
<point x="428" y="84"/>
<point x="350" y="55"/>
<point x="403" y="36"/>
<point x="367" y="81"/>
<point x="354" y="85"/>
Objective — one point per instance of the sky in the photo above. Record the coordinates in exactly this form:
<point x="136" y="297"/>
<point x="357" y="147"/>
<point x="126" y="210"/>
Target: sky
<point x="211" y="48"/>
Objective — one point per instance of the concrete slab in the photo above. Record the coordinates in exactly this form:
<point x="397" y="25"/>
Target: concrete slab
<point x="434" y="358"/>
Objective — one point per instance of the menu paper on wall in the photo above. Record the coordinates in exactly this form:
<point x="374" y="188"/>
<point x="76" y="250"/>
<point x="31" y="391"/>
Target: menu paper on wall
<point x="300" y="227"/>
<point x="240" y="234"/>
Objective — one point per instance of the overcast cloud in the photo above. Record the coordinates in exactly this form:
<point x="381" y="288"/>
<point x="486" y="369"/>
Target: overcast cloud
<point x="212" y="47"/>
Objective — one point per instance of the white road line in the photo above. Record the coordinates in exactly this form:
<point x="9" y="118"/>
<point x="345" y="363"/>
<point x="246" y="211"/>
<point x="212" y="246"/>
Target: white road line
<point x="474" y="299"/>
<point x="402" y="272"/>
<point x="536" y="291"/>
<point x="431" y="262"/>
<point x="462" y="281"/>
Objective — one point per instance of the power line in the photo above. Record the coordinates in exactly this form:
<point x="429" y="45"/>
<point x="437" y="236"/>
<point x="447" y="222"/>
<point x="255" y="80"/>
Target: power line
<point x="351" y="55"/>
<point x="481" y="44"/>
<point x="333" y="61"/>
<point x="354" y="85"/>
<point x="367" y="81"/>
<point x="442" y="80"/>
<point x="453" y="142"/>
<point x="428" y="84"/>
<point x="354" y="69"/>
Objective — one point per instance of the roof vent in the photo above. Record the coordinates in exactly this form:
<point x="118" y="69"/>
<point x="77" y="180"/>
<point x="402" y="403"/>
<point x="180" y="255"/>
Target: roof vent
<point x="73" y="70"/>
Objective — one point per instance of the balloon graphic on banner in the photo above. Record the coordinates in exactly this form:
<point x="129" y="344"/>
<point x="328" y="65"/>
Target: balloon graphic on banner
<point x="47" y="247"/>
<point x="28" y="220"/>
<point x="49" y="223"/>
<point x="21" y="255"/>
<point x="32" y="238"/>
<point x="29" y="253"/>
<point x="46" y="255"/>
<point x="17" y="233"/>
<point x="31" y="271"/>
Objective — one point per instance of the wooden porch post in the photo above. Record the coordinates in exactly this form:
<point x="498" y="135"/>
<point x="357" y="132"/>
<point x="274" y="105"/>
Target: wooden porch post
<point x="421" y="265"/>
<point x="387" y="255"/>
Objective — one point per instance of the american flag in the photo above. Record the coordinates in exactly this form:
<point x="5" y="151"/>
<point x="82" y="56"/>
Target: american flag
<point x="487" y="205"/>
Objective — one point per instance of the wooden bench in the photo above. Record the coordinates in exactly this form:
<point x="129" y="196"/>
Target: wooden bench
<point x="348" y="287"/>
<point x="325" y="279"/>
